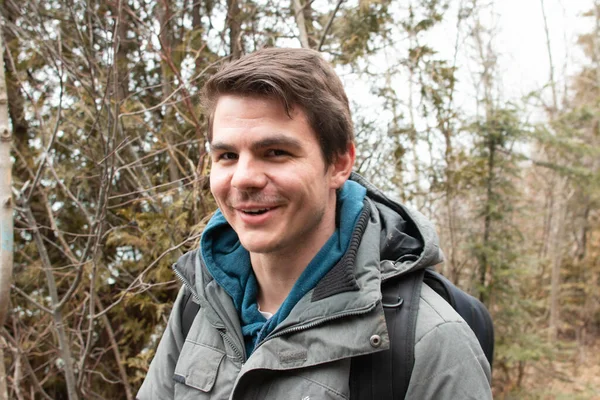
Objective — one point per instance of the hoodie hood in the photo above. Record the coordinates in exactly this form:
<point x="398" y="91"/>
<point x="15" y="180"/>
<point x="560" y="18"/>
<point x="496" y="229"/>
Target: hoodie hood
<point x="229" y="264"/>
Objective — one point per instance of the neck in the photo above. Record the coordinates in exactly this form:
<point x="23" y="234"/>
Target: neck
<point x="276" y="277"/>
<point x="277" y="272"/>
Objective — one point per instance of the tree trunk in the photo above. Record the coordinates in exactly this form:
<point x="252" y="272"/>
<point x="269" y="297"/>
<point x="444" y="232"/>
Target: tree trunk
<point x="308" y="22"/>
<point x="487" y="224"/>
<point x="197" y="42"/>
<point x="298" y="8"/>
<point x="556" y="249"/>
<point x="235" y="29"/>
<point x="549" y="48"/>
<point x="6" y="216"/>
<point x="115" y="348"/>
<point x="168" y="43"/>
<point x="13" y="91"/>
<point x="121" y="49"/>
<point x="3" y="386"/>
<point x="57" y="316"/>
<point x="488" y="62"/>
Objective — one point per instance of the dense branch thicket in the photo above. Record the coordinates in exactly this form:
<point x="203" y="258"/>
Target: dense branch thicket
<point x="111" y="174"/>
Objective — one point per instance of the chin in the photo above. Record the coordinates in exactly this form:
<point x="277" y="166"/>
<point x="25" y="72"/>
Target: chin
<point x="259" y="247"/>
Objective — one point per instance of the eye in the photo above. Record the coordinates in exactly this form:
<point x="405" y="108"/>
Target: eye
<point x="227" y="156"/>
<point x="277" y="153"/>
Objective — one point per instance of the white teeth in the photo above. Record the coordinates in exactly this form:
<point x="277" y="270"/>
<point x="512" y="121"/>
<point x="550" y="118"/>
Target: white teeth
<point x="259" y="211"/>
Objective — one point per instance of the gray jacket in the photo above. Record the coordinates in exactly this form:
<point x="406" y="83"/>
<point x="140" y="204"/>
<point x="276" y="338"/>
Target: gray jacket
<point x="308" y="355"/>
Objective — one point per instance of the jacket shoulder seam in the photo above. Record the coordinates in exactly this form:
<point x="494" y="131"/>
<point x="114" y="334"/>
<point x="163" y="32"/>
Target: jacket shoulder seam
<point x="460" y="361"/>
<point x="437" y="326"/>
<point x="436" y="310"/>
<point x="443" y="320"/>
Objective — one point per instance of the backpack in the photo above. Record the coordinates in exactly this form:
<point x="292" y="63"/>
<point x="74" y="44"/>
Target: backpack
<point x="386" y="374"/>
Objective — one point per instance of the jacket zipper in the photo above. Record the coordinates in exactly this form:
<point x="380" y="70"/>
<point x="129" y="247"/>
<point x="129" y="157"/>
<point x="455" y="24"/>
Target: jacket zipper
<point x="299" y="328"/>
<point x="222" y="330"/>
<point x="311" y="325"/>
<point x="226" y="339"/>
<point x="186" y="284"/>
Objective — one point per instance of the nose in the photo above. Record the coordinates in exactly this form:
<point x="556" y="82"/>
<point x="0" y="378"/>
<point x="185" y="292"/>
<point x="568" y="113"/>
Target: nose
<point x="249" y="174"/>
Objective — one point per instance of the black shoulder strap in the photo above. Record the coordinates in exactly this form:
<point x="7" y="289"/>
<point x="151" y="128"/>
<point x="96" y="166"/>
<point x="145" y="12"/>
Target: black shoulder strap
<point x="189" y="309"/>
<point x="386" y="374"/>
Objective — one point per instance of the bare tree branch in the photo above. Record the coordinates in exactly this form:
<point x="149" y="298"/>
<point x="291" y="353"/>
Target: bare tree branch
<point x="329" y="23"/>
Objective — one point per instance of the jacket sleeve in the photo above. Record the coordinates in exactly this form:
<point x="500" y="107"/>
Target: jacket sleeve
<point x="449" y="362"/>
<point x="159" y="384"/>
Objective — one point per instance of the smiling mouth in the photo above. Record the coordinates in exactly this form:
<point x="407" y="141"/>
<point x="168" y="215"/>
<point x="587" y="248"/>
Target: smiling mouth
<point x="256" y="212"/>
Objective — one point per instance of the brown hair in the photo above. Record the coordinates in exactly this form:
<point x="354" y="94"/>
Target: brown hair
<point x="297" y="77"/>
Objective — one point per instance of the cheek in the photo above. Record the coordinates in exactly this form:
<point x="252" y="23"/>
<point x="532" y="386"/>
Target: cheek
<point x="218" y="186"/>
<point x="213" y="186"/>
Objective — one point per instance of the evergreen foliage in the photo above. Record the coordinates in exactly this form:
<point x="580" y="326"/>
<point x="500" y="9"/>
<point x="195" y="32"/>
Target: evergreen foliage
<point x="111" y="172"/>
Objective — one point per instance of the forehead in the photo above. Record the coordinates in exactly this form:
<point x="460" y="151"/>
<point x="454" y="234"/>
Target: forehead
<point x="240" y="118"/>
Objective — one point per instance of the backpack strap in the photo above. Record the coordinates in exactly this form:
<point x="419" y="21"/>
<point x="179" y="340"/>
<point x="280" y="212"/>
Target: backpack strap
<point x="386" y="374"/>
<point x="189" y="309"/>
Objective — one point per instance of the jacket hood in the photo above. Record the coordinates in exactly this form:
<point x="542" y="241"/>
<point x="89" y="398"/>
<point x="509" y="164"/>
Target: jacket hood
<point x="408" y="240"/>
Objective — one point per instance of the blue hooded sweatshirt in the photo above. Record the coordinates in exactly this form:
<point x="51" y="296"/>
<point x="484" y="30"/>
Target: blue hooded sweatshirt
<point x="229" y="264"/>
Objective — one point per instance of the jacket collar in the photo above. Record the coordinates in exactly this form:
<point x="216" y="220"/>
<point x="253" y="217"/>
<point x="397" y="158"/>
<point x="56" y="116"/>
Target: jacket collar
<point x="390" y="239"/>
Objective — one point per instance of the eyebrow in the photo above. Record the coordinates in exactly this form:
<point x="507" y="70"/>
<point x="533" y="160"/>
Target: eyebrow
<point x="278" y="140"/>
<point x="220" y="146"/>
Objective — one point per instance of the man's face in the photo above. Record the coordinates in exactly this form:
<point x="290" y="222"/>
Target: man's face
<point x="269" y="178"/>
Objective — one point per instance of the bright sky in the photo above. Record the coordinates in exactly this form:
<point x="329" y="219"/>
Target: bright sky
<point x="522" y="40"/>
<point x="523" y="64"/>
<point x="520" y="43"/>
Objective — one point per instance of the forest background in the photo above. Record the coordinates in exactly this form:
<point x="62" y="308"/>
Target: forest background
<point x="110" y="173"/>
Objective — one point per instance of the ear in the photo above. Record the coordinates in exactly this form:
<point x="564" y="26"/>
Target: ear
<point x="341" y="168"/>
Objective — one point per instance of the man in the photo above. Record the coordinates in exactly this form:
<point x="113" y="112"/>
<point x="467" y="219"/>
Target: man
<point x="289" y="269"/>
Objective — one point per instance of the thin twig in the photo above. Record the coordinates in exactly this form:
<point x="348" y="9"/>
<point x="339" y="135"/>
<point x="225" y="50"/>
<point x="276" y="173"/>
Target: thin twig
<point x="54" y="133"/>
<point x="115" y="348"/>
<point x="139" y="277"/>
<point x="119" y="147"/>
<point x="70" y="194"/>
<point x="59" y="322"/>
<point x="143" y="191"/>
<point x="31" y="373"/>
<point x="31" y="300"/>
<point x="329" y="23"/>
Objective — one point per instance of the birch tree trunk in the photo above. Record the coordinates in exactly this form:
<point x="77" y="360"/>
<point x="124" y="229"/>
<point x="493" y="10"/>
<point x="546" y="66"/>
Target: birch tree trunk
<point x="6" y="217"/>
